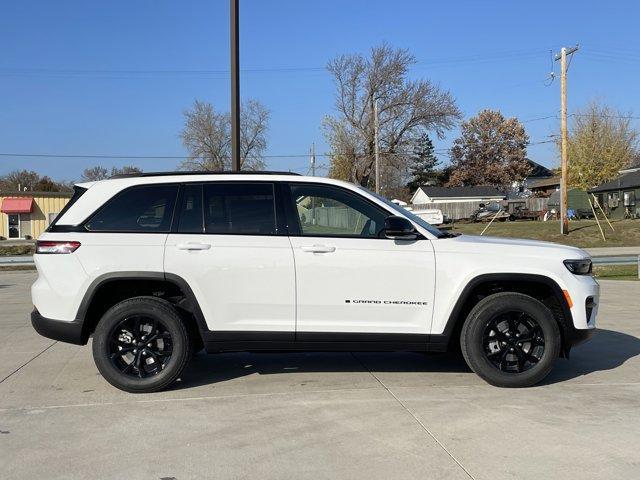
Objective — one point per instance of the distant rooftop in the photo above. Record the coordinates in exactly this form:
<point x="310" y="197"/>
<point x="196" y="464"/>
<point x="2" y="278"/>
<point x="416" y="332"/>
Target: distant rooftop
<point x="456" y="192"/>
<point x="628" y="180"/>
<point x="633" y="166"/>
<point x="545" y="182"/>
<point x="31" y="193"/>
<point x="537" y="170"/>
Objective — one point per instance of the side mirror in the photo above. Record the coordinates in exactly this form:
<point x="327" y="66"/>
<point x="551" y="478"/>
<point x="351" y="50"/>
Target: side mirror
<point x="399" y="228"/>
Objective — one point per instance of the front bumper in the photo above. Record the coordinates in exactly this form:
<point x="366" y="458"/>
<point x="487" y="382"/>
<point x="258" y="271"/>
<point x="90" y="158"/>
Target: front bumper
<point x="574" y="336"/>
<point x="69" y="332"/>
<point x="585" y="295"/>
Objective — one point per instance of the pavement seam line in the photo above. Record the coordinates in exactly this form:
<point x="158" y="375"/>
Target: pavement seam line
<point x="179" y="399"/>
<point x="27" y="362"/>
<point x="422" y="425"/>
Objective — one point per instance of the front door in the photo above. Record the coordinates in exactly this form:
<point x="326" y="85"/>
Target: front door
<point x="14" y="225"/>
<point x="349" y="278"/>
<point x="228" y="249"/>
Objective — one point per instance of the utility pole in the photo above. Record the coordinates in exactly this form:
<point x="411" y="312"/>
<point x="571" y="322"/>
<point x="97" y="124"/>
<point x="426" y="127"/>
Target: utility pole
<point x="564" y="165"/>
<point x="376" y="145"/>
<point x="235" y="85"/>
<point x="313" y="159"/>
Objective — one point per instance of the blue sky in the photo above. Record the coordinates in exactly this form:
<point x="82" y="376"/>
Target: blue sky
<point x="71" y="81"/>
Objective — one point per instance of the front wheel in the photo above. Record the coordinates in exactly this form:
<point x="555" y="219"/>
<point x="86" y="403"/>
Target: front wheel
<point x="510" y="340"/>
<point x="141" y="345"/>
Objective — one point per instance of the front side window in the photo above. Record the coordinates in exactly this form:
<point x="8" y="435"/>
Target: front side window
<point x="239" y="209"/>
<point x="142" y="209"/>
<point x="330" y="211"/>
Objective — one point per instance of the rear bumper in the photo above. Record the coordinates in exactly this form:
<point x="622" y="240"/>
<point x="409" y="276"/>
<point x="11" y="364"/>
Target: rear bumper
<point x="69" y="332"/>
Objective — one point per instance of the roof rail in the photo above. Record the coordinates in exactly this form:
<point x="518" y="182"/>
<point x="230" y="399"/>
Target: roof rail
<point x="226" y="172"/>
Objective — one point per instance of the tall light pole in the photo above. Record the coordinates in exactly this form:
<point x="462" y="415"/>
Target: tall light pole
<point x="376" y="125"/>
<point x="235" y="85"/>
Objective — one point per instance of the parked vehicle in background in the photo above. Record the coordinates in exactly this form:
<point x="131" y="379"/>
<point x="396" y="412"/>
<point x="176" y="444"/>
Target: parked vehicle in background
<point x="488" y="212"/>
<point x="523" y="213"/>
<point x="158" y="266"/>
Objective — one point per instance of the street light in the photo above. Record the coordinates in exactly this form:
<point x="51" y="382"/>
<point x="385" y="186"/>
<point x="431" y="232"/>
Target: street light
<point x="235" y="86"/>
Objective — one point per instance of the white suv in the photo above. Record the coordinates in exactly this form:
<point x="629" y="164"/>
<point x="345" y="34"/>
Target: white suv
<point x="158" y="266"/>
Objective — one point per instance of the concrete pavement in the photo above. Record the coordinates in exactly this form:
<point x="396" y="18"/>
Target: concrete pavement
<point x="319" y="415"/>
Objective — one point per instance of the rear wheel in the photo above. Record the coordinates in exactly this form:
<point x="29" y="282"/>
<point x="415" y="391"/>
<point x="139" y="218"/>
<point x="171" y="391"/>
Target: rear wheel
<point x="510" y="340"/>
<point x="141" y="345"/>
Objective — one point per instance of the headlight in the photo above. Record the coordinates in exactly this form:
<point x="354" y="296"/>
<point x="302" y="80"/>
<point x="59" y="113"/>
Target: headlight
<point x="579" y="267"/>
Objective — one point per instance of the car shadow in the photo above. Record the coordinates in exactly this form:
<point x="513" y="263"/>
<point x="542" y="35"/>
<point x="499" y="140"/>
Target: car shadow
<point x="607" y="350"/>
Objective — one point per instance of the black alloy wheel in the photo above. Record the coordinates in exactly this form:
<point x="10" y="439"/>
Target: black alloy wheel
<point x="513" y="342"/>
<point x="140" y="346"/>
<point x="510" y="339"/>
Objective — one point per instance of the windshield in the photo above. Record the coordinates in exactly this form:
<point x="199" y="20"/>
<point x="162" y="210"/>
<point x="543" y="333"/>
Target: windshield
<point x="411" y="216"/>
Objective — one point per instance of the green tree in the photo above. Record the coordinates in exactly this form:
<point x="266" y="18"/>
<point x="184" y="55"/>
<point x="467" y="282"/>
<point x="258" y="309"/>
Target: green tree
<point x="491" y="150"/>
<point x="601" y="142"/>
<point x="423" y="165"/>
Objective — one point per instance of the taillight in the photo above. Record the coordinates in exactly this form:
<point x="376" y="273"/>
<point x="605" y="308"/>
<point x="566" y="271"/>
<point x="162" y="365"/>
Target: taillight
<point x="48" y="246"/>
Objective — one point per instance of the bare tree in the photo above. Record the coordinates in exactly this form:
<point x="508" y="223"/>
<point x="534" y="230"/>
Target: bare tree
<point x="93" y="174"/>
<point x="31" y="181"/>
<point x="125" y="170"/>
<point x="491" y="150"/>
<point x="407" y="109"/>
<point x="19" y="180"/>
<point x="207" y="137"/>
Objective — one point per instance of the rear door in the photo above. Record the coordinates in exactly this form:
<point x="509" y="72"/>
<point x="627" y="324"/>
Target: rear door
<point x="349" y="278"/>
<point x="228" y="246"/>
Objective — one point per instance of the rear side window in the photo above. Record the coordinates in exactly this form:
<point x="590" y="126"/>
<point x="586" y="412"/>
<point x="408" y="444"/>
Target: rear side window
<point x="191" y="215"/>
<point x="77" y="193"/>
<point x="143" y="209"/>
<point x="239" y="208"/>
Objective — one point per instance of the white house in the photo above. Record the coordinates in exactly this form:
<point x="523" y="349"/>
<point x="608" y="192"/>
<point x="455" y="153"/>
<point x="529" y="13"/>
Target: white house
<point x="634" y="167"/>
<point x="427" y="194"/>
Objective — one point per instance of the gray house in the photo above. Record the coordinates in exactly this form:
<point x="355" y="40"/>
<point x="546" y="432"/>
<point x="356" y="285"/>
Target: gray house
<point x="619" y="197"/>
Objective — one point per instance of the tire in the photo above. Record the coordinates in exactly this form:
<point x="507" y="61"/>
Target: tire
<point x="155" y="365"/>
<point x="491" y="340"/>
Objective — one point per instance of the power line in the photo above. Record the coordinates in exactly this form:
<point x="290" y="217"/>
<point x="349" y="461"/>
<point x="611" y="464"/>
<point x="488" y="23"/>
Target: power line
<point x="171" y="72"/>
<point x="624" y="117"/>
<point x="183" y="157"/>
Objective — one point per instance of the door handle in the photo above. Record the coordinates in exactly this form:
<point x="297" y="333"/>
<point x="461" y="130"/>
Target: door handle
<point x="318" y="249"/>
<point x="194" y="246"/>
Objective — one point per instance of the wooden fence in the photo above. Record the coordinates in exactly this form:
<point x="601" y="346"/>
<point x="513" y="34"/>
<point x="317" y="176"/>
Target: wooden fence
<point x="461" y="210"/>
<point x="453" y="210"/>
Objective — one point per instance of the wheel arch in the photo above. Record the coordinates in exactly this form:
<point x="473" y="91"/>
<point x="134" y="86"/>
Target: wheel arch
<point x="110" y="288"/>
<point x="541" y="287"/>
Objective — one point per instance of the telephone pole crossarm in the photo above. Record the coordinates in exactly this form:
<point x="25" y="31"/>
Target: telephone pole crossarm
<point x="568" y="51"/>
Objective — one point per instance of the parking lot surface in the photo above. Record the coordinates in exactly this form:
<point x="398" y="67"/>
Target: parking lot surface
<point x="320" y="415"/>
